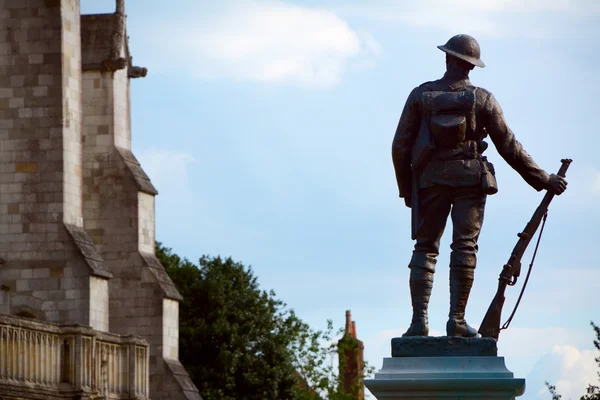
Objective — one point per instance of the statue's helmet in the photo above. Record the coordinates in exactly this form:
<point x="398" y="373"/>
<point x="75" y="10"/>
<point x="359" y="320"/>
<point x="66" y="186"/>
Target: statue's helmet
<point x="464" y="47"/>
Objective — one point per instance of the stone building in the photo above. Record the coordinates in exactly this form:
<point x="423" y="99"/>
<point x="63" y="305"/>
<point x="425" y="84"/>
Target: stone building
<point x="86" y="308"/>
<point x="351" y="361"/>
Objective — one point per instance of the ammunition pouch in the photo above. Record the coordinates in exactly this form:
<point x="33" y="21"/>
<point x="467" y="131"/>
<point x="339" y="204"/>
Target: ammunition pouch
<point x="448" y="129"/>
<point x="489" y="185"/>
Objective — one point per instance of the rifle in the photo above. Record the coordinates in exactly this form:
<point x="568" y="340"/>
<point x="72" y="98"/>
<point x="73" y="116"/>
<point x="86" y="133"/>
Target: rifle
<point x="490" y="326"/>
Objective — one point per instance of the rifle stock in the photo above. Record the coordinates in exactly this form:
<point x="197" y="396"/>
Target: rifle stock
<point x="490" y="326"/>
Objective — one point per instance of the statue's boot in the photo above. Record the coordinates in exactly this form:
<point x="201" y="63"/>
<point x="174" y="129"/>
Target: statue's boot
<point x="461" y="281"/>
<point x="421" y="283"/>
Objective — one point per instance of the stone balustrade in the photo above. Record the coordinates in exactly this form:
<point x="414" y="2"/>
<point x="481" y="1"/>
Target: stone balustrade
<point x="45" y="360"/>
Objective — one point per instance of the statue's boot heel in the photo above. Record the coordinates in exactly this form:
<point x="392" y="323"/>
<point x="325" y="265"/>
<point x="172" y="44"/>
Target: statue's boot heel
<point x="421" y="283"/>
<point x="418" y="328"/>
<point x="459" y="328"/>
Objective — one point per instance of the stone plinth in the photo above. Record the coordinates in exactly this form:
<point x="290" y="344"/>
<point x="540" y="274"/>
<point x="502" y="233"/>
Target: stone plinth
<point x="459" y="373"/>
<point x="443" y="346"/>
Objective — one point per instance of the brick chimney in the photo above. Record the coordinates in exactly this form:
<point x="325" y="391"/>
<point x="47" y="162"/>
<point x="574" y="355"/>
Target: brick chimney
<point x="351" y="362"/>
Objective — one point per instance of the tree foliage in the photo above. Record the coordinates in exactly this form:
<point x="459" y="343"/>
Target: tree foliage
<point x="314" y="354"/>
<point x="592" y="391"/>
<point x="238" y="341"/>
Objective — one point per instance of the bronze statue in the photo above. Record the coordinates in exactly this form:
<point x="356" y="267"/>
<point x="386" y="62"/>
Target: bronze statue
<point x="440" y="170"/>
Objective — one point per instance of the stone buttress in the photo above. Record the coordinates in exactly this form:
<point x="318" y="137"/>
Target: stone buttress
<point x="118" y="206"/>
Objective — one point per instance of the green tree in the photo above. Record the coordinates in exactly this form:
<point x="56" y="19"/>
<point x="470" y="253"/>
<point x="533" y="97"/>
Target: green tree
<point x="592" y="391"/>
<point x="240" y="342"/>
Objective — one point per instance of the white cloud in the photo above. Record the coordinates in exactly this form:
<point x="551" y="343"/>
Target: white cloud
<point x="523" y="347"/>
<point x="570" y="369"/>
<point x="512" y="5"/>
<point x="266" y="41"/>
<point x="595" y="181"/>
<point x="482" y="18"/>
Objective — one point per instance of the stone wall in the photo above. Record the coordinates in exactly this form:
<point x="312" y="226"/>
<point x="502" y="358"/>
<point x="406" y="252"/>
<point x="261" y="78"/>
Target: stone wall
<point x="146" y="222"/>
<point x="170" y="329"/>
<point x="71" y="110"/>
<point x="99" y="304"/>
<point x="77" y="228"/>
<point x="48" y="257"/>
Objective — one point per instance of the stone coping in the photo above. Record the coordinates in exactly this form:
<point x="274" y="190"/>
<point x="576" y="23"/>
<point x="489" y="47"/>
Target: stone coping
<point x="68" y="329"/>
<point x="443" y="346"/>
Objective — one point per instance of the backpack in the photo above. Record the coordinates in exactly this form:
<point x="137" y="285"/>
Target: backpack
<point x="448" y="118"/>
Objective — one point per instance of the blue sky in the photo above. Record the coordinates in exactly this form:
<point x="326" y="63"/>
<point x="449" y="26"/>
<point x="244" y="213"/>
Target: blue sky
<point x="266" y="127"/>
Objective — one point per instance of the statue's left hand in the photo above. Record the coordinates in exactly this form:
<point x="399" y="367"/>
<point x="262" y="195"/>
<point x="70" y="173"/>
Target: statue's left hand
<point x="557" y="184"/>
<point x="408" y="201"/>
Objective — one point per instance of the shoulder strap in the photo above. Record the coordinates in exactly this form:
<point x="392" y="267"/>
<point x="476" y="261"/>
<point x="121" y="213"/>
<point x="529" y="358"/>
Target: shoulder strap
<point x="428" y="85"/>
<point x="460" y="85"/>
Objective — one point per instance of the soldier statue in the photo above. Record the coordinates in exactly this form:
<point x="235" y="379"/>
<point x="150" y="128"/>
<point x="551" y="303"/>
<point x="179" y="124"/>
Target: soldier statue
<point x="440" y="170"/>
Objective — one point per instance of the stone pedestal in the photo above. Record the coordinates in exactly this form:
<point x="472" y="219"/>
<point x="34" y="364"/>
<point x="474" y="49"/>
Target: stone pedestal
<point x="435" y="368"/>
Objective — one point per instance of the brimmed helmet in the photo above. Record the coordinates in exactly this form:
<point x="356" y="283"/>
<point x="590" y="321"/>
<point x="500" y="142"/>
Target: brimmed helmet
<point x="464" y="47"/>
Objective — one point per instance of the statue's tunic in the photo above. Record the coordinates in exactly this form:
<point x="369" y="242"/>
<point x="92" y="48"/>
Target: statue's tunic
<point x="449" y="184"/>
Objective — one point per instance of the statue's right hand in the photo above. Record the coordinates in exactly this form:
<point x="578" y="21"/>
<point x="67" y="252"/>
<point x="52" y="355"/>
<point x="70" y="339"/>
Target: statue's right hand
<point x="557" y="184"/>
<point x="408" y="201"/>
